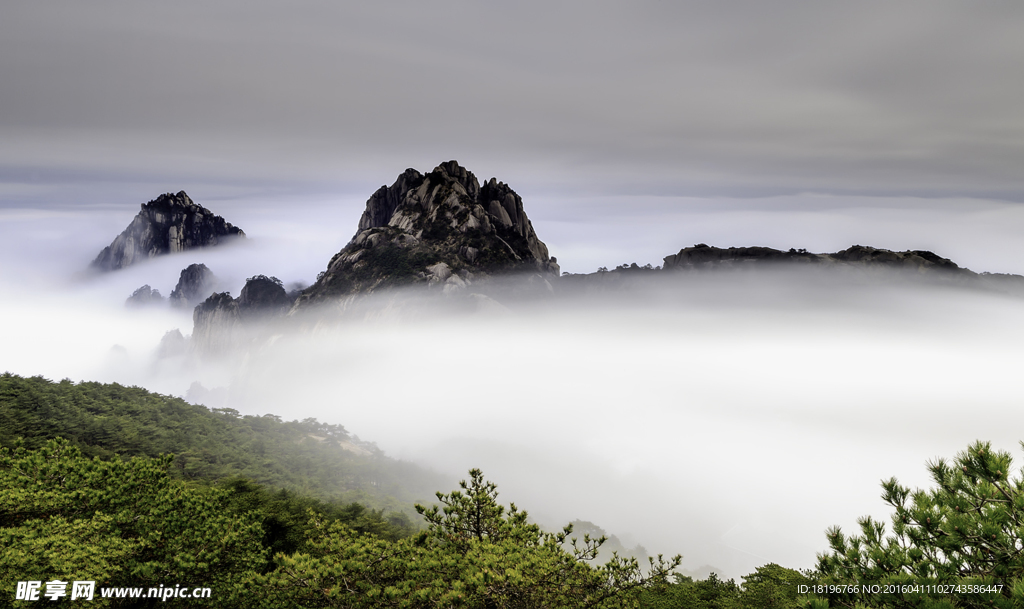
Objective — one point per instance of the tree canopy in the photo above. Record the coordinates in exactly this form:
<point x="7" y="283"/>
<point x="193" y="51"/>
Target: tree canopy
<point x="958" y="544"/>
<point x="128" y="523"/>
<point x="308" y="456"/>
<point x="474" y="552"/>
<point x="233" y="509"/>
<point x="118" y="523"/>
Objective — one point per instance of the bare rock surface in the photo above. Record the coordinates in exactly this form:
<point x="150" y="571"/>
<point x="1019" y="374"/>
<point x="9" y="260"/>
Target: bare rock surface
<point x="170" y="223"/>
<point x="425" y="228"/>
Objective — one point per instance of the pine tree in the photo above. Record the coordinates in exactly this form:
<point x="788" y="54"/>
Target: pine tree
<point x="473" y="553"/>
<point x="959" y="544"/>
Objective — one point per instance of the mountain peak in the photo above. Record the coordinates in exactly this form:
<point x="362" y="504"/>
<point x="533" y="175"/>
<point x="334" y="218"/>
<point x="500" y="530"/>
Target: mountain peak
<point x="170" y="223"/>
<point x="444" y="217"/>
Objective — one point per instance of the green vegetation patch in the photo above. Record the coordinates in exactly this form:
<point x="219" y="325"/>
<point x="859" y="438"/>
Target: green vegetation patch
<point x="306" y="457"/>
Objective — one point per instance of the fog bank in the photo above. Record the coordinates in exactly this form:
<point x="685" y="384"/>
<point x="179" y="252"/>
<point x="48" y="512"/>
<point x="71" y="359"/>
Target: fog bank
<point x="730" y="418"/>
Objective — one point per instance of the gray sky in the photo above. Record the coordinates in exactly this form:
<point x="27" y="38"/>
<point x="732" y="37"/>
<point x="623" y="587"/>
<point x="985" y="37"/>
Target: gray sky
<point x="631" y="130"/>
<point x="709" y="99"/>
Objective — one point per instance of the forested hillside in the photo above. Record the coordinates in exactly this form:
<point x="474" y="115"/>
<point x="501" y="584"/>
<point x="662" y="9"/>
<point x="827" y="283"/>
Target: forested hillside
<point x="307" y="457"/>
<point x="142" y="489"/>
<point x="129" y="528"/>
<point x="135" y="490"/>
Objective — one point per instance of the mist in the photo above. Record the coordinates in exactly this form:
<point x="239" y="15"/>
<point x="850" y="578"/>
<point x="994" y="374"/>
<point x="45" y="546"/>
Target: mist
<point x="729" y="417"/>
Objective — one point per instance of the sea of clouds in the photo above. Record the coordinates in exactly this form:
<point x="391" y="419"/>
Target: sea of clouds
<point x="729" y="418"/>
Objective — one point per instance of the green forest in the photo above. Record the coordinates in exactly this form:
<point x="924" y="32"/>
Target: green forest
<point x="126" y="488"/>
<point x="305" y="457"/>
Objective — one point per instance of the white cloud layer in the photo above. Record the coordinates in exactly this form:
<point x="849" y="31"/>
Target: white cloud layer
<point x="730" y="419"/>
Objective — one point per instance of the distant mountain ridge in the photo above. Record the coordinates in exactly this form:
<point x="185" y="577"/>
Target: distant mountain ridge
<point x="451" y="236"/>
<point x="168" y="224"/>
<point x="856" y="263"/>
<point x="706" y="256"/>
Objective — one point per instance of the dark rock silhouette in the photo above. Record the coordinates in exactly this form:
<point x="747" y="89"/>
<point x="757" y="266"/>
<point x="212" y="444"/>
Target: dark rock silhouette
<point x="703" y="256"/>
<point x="263" y="296"/>
<point x="168" y="224"/>
<point x="221" y="322"/>
<point x="850" y="265"/>
<point x="441" y="228"/>
<point x="195" y="284"/>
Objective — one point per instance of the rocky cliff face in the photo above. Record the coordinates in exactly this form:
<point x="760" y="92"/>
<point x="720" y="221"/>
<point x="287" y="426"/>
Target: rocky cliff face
<point x="214" y="324"/>
<point x="439" y="228"/>
<point x="168" y="224"/>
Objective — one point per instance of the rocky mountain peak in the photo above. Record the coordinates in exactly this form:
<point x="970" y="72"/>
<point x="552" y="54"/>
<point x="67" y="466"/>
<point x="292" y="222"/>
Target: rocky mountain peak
<point x="170" y="223"/>
<point x="423" y="220"/>
<point x="195" y="283"/>
<point x="143" y="297"/>
<point x="220" y="321"/>
<point x="263" y="296"/>
<point x="460" y="175"/>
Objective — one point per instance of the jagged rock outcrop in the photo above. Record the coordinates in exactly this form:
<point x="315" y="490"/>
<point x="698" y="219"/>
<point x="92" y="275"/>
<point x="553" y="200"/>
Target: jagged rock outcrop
<point x="221" y="322"/>
<point x="170" y="223"/>
<point x="919" y="260"/>
<point x="440" y="228"/>
<point x="262" y="297"/>
<point x="702" y="255"/>
<point x="195" y="285"/>
<point x="143" y="297"/>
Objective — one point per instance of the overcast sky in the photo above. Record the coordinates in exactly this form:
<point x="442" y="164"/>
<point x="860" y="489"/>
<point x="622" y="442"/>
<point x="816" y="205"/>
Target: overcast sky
<point x="594" y="103"/>
<point x="711" y="99"/>
<point x="630" y="129"/>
